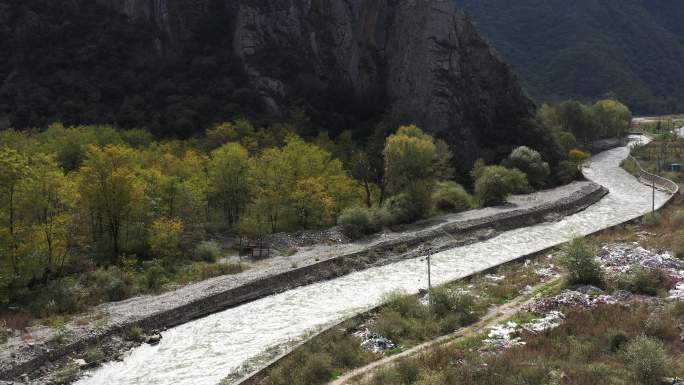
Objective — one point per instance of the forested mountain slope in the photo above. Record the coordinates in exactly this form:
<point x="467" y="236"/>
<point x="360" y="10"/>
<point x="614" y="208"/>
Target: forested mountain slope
<point x="587" y="49"/>
<point x="178" y="66"/>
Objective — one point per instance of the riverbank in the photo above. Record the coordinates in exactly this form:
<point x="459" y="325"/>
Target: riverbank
<point x="47" y="350"/>
<point x="641" y="295"/>
<point x="197" y="351"/>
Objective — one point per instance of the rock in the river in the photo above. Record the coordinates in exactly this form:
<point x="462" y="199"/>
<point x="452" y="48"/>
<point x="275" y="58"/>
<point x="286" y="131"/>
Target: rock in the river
<point x="154" y="339"/>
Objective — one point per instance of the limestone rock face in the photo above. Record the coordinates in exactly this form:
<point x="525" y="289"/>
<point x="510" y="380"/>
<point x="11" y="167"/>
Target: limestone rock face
<point x="421" y="58"/>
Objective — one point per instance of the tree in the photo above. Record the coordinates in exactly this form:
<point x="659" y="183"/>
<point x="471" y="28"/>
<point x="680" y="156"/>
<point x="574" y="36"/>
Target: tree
<point x="165" y="239"/>
<point x="228" y="170"/>
<point x="496" y="183"/>
<point x="409" y="159"/>
<point x="13" y="169"/>
<point x="575" y="117"/>
<point x="299" y="185"/>
<point x="112" y="191"/>
<point x="531" y="163"/>
<point x="48" y="198"/>
<point x="611" y="118"/>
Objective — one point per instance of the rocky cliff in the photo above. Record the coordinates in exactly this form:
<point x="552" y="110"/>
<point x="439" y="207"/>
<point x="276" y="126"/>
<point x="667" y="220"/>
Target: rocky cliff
<point x="422" y="59"/>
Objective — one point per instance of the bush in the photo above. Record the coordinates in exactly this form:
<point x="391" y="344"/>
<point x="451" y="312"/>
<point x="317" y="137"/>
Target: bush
<point x="94" y="356"/>
<point x="403" y="209"/>
<point x="645" y="281"/>
<point x="317" y="369"/>
<point x="645" y="357"/>
<point x="208" y="251"/>
<point x="651" y="220"/>
<point x="531" y="163"/>
<point x="567" y="172"/>
<point x="356" y="222"/>
<point x="406" y="305"/>
<point x="155" y="275"/>
<point x="135" y="333"/>
<point x="67" y="375"/>
<point x="616" y="340"/>
<point x="65" y="296"/>
<point x="579" y="259"/>
<point x="451" y="197"/>
<point x="677" y="219"/>
<point x="445" y="302"/>
<point x="496" y="183"/>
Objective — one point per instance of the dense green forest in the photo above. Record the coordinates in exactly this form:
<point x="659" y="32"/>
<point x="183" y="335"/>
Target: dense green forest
<point x="632" y="50"/>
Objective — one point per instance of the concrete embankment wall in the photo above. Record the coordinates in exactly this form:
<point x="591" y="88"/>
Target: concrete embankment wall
<point x="378" y="254"/>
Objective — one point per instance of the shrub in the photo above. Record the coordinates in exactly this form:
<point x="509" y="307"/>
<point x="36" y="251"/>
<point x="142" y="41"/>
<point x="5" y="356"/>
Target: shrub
<point x="578" y="157"/>
<point x="407" y="371"/>
<point x="317" y="369"/>
<point x="581" y="264"/>
<point x="651" y="220"/>
<point x="677" y="219"/>
<point x="356" y="222"/>
<point x="645" y="281"/>
<point x="645" y="357"/>
<point x="616" y="340"/>
<point x="403" y="209"/>
<point x="4" y="335"/>
<point x="496" y="183"/>
<point x="135" y="333"/>
<point x="94" y="356"/>
<point x="110" y="284"/>
<point x="406" y="305"/>
<point x="208" y="251"/>
<point x="451" y="197"/>
<point x="567" y="172"/>
<point x="445" y="302"/>
<point x="155" y="275"/>
<point x="67" y="375"/>
<point x="65" y="296"/>
<point x="531" y="163"/>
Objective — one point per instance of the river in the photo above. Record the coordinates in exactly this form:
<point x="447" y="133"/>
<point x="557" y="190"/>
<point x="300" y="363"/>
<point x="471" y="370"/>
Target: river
<point x="205" y="351"/>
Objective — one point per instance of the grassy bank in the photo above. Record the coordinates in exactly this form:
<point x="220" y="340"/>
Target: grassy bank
<point x="406" y="321"/>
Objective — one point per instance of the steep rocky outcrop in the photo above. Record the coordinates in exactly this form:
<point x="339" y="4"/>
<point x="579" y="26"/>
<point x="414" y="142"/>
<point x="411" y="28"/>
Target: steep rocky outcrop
<point x="420" y="59"/>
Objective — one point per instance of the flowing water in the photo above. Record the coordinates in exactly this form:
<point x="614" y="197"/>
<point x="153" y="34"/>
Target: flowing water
<point x="205" y="351"/>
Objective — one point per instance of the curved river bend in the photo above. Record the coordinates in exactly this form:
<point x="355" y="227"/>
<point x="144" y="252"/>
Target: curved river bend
<point x="205" y="351"/>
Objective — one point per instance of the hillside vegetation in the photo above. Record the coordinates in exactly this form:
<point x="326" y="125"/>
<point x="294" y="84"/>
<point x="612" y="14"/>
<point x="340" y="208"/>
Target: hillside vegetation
<point x="629" y="49"/>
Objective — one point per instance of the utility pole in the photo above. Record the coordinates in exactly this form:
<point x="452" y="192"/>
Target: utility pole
<point x="429" y="272"/>
<point x="653" y="184"/>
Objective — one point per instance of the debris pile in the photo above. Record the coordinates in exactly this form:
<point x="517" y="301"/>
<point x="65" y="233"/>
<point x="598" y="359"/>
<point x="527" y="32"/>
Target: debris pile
<point x="547" y="273"/>
<point x="550" y="321"/>
<point x="373" y="342"/>
<point x="507" y="335"/>
<point x="570" y="298"/>
<point x="619" y="258"/>
<point x="504" y="336"/>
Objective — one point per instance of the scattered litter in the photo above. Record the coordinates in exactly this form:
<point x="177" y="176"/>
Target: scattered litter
<point x="570" y="298"/>
<point x="678" y="291"/>
<point x="374" y="342"/>
<point x="547" y="273"/>
<point x="507" y="335"/>
<point x="622" y="257"/>
<point x="550" y="321"/>
<point x="504" y="336"/>
<point x="495" y="278"/>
